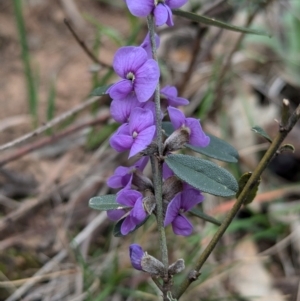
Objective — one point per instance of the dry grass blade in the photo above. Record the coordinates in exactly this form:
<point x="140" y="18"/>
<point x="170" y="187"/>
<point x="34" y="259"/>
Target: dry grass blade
<point x="50" y="124"/>
<point x="78" y="240"/>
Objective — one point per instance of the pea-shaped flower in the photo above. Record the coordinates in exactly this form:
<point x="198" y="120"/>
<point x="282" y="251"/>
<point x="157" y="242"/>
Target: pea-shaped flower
<point x="135" y="135"/>
<point x="139" y="74"/>
<point x="182" y="202"/>
<point x="196" y="135"/>
<point x="134" y="200"/>
<point x="161" y="9"/>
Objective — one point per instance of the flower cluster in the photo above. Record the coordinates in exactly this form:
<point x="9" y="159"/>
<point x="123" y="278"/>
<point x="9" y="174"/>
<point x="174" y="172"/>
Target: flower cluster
<point x="133" y="107"/>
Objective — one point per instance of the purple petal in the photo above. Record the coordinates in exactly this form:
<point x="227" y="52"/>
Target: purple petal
<point x="122" y="139"/>
<point x="138" y="212"/>
<point x="121" y="143"/>
<point x="136" y="254"/>
<point x="121" y="177"/>
<point x="121" y="89"/>
<point x="170" y="93"/>
<point x="128" y="197"/>
<point x="160" y="14"/>
<point x="170" y="17"/>
<point x="177" y="117"/>
<point x="121" y="109"/>
<point x="140" y="119"/>
<point x="129" y="59"/>
<point x="146" y="44"/>
<point x="173" y="209"/>
<point x="141" y="163"/>
<point x="190" y="198"/>
<point x="197" y="136"/>
<point x="175" y="3"/>
<point x="167" y="172"/>
<point x="143" y="139"/>
<point x="182" y="226"/>
<point x="127" y="225"/>
<point x="115" y="215"/>
<point x="146" y="80"/>
<point x="150" y="105"/>
<point x="140" y="8"/>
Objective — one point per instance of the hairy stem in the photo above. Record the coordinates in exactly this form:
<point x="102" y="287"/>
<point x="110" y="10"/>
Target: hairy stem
<point x="156" y="162"/>
<point x="284" y="129"/>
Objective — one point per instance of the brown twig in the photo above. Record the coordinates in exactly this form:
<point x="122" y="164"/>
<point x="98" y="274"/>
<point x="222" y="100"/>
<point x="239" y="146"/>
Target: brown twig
<point x="196" y="48"/>
<point x="50" y="124"/>
<point x="268" y="156"/>
<point x="84" y="47"/>
<point x="48" y="140"/>
<point x="227" y="64"/>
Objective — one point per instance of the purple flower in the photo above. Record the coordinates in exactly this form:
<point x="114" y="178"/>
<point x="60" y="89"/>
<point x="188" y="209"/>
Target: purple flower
<point x="120" y="110"/>
<point x="197" y="136"/>
<point x="122" y="177"/>
<point x="160" y="9"/>
<point x="170" y="93"/>
<point x="182" y="202"/>
<point x="140" y="74"/>
<point x="167" y="172"/>
<point x="134" y="200"/>
<point x="135" y="135"/>
<point x="136" y="254"/>
<point x="146" y="44"/>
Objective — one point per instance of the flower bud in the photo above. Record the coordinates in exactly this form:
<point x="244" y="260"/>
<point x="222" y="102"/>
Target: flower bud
<point x="149" y="203"/>
<point x="136" y="254"/>
<point x="176" y="140"/>
<point x="141" y="181"/>
<point x="150" y="150"/>
<point x="171" y="187"/>
<point x="152" y="265"/>
<point x="176" y="267"/>
<point x="140" y="260"/>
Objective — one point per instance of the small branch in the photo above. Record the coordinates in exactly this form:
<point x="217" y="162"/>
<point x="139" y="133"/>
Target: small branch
<point x="48" y="140"/>
<point x="196" y="48"/>
<point x="227" y="64"/>
<point x="50" y="124"/>
<point x="84" y="47"/>
<point x="271" y="152"/>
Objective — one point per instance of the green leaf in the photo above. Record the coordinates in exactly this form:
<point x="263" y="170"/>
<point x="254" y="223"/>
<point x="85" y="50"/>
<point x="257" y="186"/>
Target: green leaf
<point x="214" y="22"/>
<point x="117" y="227"/>
<point x="253" y="190"/>
<point x="100" y="91"/>
<point x="105" y="202"/>
<point x="217" y="148"/>
<point x="203" y="175"/>
<point x="202" y="215"/>
<point x="259" y="131"/>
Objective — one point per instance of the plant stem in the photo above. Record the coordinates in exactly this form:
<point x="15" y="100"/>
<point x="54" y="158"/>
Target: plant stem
<point x="157" y="171"/>
<point x="30" y="81"/>
<point x="273" y="150"/>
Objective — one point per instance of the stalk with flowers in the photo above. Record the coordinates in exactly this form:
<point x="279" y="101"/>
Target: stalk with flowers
<point x="178" y="180"/>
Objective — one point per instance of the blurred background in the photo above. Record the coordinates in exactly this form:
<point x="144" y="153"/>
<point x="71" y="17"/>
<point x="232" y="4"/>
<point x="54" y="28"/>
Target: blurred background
<point x="52" y="245"/>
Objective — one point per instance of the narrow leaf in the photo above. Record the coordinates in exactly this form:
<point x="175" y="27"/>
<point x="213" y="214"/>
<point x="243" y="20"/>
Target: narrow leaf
<point x="217" y="148"/>
<point x="214" y="22"/>
<point x="252" y="192"/>
<point x="100" y="91"/>
<point x="202" y="215"/>
<point x="259" y="131"/>
<point x="105" y="202"/>
<point x="203" y="175"/>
